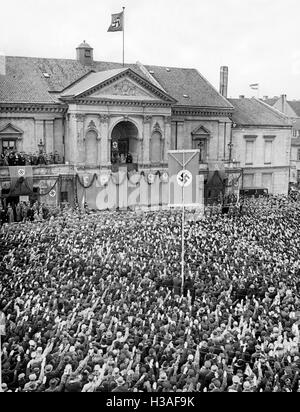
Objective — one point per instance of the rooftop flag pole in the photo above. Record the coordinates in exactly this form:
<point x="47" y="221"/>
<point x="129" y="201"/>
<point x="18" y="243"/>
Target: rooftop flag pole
<point x="118" y="24"/>
<point x="123" y="36"/>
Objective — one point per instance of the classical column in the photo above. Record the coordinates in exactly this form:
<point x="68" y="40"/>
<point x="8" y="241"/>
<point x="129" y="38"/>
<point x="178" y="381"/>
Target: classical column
<point x="180" y="135"/>
<point x="104" y="143"/>
<point x="167" y="138"/>
<point x="80" y="155"/>
<point x="71" y="146"/>
<point x="146" y="140"/>
<point x="49" y="136"/>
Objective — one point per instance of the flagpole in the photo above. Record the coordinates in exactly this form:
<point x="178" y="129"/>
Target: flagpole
<point x="0" y="365"/>
<point x="182" y="234"/>
<point x="123" y="36"/>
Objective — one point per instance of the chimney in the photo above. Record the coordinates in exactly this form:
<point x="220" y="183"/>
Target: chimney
<point x="2" y="64"/>
<point x="242" y="96"/>
<point x="224" y="81"/>
<point x="283" y="103"/>
<point x="266" y="97"/>
<point x="85" y="54"/>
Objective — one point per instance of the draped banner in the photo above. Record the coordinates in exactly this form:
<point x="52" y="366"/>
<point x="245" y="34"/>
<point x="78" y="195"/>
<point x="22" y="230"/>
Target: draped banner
<point x="124" y="190"/>
<point x="186" y="185"/>
<point x="21" y="178"/>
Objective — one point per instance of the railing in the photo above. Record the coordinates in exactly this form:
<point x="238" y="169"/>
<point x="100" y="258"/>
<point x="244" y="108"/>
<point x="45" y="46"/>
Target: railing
<point x="24" y="159"/>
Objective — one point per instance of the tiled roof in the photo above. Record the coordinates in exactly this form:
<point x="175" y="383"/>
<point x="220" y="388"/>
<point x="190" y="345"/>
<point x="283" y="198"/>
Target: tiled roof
<point x="92" y="80"/>
<point x="253" y="112"/>
<point x="295" y="105"/>
<point x="272" y="101"/>
<point x="25" y="81"/>
<point x="188" y="82"/>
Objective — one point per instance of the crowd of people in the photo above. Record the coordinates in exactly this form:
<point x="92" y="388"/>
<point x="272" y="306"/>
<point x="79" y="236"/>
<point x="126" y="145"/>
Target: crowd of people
<point x="14" y="158"/>
<point x="93" y="302"/>
<point x="23" y="212"/>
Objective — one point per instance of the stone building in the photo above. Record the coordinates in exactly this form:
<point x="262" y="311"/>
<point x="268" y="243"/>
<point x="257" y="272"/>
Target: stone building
<point x="290" y="108"/>
<point x="262" y="144"/>
<point x="95" y="118"/>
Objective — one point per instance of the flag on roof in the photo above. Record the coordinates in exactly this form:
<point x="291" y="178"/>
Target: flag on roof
<point x="117" y="21"/>
<point x="254" y="86"/>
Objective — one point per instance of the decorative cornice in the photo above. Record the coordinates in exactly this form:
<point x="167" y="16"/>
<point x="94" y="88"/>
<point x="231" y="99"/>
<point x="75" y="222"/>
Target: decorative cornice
<point x="92" y="101"/>
<point x="202" y="111"/>
<point x="255" y="126"/>
<point x="33" y="108"/>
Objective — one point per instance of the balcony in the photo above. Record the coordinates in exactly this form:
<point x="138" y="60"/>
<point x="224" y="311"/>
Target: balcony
<point x="42" y="171"/>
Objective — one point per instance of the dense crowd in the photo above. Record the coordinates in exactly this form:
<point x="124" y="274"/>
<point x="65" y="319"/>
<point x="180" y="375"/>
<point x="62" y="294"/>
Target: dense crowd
<point x="15" y="158"/>
<point x="23" y="212"/>
<point x="93" y="302"/>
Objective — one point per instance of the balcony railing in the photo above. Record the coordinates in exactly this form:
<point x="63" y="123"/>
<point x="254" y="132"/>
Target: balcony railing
<point x="29" y="159"/>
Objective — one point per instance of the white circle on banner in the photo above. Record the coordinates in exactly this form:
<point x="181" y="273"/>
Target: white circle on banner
<point x="21" y="172"/>
<point x="184" y="178"/>
<point x="151" y="178"/>
<point x="52" y="193"/>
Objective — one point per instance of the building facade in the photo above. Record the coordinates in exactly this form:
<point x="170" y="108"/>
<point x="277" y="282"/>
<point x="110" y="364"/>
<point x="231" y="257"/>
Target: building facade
<point x="88" y="120"/>
<point x="262" y="144"/>
<point x="291" y="108"/>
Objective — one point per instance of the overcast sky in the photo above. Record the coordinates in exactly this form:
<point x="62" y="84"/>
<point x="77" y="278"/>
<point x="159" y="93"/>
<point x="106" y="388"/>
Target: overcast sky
<point x="258" y="39"/>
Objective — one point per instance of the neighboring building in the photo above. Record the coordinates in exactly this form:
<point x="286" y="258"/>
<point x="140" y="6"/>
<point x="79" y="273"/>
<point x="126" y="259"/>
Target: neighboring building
<point x="291" y="108"/>
<point x="262" y="145"/>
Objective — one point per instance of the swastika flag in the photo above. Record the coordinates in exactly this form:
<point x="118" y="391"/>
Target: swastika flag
<point x="116" y="22"/>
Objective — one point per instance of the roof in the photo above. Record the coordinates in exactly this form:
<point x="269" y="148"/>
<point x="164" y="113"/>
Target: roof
<point x="271" y="101"/>
<point x="295" y="105"/>
<point x="25" y="81"/>
<point x="253" y="112"/>
<point x="92" y="80"/>
<point x="84" y="45"/>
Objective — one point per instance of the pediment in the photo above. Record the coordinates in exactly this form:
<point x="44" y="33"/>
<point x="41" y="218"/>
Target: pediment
<point x="201" y="131"/>
<point x="122" y="84"/>
<point x="125" y="89"/>
<point x="9" y="129"/>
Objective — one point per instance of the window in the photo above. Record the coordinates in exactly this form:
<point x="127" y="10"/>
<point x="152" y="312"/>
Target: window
<point x="298" y="154"/>
<point x="8" y="145"/>
<point x="298" y="177"/>
<point x="87" y="53"/>
<point x="248" y="180"/>
<point x="201" y="144"/>
<point x="249" y="152"/>
<point x="268" y="152"/>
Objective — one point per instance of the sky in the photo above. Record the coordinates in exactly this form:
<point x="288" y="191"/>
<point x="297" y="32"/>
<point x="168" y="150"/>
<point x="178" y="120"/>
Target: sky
<point x="259" y="40"/>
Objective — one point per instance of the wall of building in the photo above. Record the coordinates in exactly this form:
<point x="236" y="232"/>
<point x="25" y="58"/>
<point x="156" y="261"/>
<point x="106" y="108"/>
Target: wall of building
<point x="217" y="143"/>
<point x="276" y="174"/>
<point x="36" y="128"/>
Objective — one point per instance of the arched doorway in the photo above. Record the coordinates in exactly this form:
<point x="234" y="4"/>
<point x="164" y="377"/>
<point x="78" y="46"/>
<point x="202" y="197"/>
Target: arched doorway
<point x="124" y="144"/>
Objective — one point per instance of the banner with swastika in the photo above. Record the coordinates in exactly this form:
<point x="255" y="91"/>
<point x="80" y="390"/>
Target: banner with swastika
<point x="185" y="184"/>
